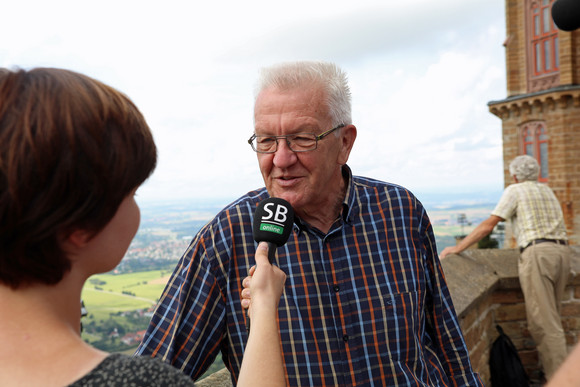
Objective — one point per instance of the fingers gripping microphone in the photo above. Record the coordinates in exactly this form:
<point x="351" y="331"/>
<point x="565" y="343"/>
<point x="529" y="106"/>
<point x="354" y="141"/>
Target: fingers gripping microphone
<point x="273" y="223"/>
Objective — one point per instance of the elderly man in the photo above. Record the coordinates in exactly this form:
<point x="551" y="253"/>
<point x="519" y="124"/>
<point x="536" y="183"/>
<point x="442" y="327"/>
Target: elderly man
<point x="544" y="263"/>
<point x="365" y="301"/>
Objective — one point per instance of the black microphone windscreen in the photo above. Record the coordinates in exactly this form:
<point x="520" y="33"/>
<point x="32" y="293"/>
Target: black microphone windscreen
<point x="566" y="14"/>
<point x="273" y="221"/>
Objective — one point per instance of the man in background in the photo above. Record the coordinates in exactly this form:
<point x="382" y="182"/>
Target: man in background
<point x="544" y="263"/>
<point x="365" y="302"/>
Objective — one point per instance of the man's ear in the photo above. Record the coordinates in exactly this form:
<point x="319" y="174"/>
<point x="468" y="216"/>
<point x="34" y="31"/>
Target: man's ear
<point x="347" y="136"/>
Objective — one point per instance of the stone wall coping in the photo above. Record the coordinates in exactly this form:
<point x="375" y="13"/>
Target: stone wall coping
<point x="476" y="273"/>
<point x="219" y="378"/>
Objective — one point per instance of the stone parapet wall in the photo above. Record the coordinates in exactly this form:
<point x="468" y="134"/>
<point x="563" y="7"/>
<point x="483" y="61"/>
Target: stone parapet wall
<point x="218" y="379"/>
<point x="485" y="289"/>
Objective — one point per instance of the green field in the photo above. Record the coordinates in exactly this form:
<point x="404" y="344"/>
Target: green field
<point x="108" y="296"/>
<point x="104" y="294"/>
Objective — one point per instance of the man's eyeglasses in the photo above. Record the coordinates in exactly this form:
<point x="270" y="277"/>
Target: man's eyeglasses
<point x="299" y="142"/>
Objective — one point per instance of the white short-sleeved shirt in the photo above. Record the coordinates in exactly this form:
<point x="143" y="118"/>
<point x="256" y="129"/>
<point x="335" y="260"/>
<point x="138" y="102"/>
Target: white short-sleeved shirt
<point x="534" y="211"/>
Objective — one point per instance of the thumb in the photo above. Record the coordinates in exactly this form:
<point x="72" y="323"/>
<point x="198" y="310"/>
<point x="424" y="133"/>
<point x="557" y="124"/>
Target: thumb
<point x="262" y="254"/>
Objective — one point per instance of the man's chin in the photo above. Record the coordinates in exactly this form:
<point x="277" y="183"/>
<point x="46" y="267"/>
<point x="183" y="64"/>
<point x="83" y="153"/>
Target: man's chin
<point x="290" y="197"/>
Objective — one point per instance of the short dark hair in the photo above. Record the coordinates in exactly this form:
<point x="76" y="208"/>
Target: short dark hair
<point x="71" y="150"/>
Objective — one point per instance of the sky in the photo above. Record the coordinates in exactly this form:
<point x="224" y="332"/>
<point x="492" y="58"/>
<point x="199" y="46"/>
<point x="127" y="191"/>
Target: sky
<point x="421" y="74"/>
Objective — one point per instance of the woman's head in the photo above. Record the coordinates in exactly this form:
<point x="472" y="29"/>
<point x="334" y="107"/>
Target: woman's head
<point x="71" y="149"/>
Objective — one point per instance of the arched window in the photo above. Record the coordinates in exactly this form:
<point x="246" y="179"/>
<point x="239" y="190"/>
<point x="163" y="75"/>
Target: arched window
<point x="534" y="142"/>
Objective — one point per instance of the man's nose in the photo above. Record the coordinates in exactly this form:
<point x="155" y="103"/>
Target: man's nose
<point x="284" y="156"/>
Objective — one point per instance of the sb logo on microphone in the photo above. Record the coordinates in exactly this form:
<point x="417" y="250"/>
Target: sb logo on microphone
<point x="274" y="218"/>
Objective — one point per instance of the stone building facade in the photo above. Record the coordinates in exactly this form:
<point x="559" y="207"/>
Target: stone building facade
<point x="541" y="113"/>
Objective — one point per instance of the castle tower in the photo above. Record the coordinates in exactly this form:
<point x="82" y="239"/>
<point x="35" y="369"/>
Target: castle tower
<point x="541" y="113"/>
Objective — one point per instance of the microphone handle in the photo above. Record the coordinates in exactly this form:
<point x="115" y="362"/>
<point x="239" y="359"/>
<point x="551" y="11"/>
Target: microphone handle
<point x="271" y="251"/>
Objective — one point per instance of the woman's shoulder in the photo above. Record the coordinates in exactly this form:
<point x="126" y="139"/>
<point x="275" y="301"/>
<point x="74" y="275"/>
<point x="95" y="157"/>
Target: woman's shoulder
<point x="123" y="370"/>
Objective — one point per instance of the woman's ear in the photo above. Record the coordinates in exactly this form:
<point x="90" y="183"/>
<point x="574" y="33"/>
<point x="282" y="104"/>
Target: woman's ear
<point x="76" y="240"/>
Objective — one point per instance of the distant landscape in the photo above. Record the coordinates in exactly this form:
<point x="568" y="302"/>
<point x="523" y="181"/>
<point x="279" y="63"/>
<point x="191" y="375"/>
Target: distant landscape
<point x="119" y="304"/>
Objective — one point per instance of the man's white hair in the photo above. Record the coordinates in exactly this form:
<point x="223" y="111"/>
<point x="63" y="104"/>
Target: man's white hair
<point x="525" y="168"/>
<point x="328" y="76"/>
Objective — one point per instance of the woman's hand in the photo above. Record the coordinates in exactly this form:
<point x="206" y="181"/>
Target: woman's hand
<point x="262" y="364"/>
<point x="265" y="283"/>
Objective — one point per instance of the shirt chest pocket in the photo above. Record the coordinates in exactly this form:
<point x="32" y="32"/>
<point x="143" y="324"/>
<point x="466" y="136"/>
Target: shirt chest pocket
<point x="398" y="325"/>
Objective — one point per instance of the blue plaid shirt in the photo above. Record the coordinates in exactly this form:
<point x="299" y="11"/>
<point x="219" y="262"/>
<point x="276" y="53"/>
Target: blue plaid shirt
<point x="365" y="304"/>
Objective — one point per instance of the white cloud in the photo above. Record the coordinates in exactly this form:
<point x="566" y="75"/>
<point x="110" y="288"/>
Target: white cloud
<point x="421" y="73"/>
<point x="435" y="131"/>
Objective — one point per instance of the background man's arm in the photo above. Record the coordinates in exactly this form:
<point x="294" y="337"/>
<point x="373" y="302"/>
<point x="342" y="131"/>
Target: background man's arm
<point x="483" y="229"/>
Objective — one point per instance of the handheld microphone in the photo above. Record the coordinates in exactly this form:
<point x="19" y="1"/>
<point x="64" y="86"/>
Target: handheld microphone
<point x="566" y="14"/>
<point x="273" y="223"/>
